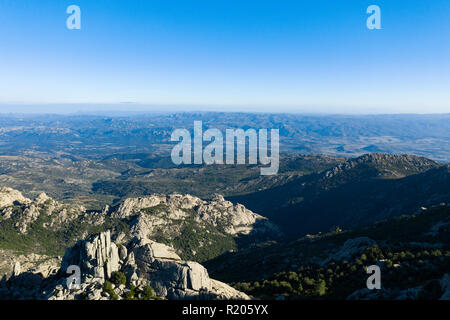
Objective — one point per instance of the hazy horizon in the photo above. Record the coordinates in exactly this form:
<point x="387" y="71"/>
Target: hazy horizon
<point x="289" y="56"/>
<point x="122" y="108"/>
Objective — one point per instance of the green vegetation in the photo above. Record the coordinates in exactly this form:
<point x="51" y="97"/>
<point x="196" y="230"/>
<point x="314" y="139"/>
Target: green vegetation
<point x="407" y="252"/>
<point x="136" y="294"/>
<point x="357" y="193"/>
<point x="155" y="209"/>
<point x="194" y="241"/>
<point x="118" y="278"/>
<point x="148" y="294"/>
<point x="108" y="288"/>
<point x="50" y="241"/>
<point x="338" y="280"/>
<point x="130" y="295"/>
<point x="38" y="238"/>
<point x="201" y="242"/>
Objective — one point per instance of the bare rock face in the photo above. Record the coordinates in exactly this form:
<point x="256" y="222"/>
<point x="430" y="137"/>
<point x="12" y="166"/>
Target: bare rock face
<point x="13" y="205"/>
<point x="227" y="292"/>
<point x="172" y="278"/>
<point x="132" y="206"/>
<point x="30" y="214"/>
<point x="16" y="269"/>
<point x="239" y="220"/>
<point x="156" y="250"/>
<point x="145" y="263"/>
<point x="166" y="272"/>
<point x="42" y="198"/>
<point x="23" y="278"/>
<point x="142" y="260"/>
<point x="13" y="264"/>
<point x="162" y="210"/>
<point x="9" y="197"/>
<point x="123" y="252"/>
<point x="96" y="256"/>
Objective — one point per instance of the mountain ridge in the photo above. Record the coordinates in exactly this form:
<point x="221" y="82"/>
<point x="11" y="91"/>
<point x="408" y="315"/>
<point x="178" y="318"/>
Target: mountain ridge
<point x="198" y="229"/>
<point x="366" y="185"/>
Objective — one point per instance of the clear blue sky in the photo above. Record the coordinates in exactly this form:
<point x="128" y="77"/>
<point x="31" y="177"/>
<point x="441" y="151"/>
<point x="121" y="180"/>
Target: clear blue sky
<point x="301" y="56"/>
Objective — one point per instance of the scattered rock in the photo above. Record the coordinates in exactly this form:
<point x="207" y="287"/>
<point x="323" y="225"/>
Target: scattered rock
<point x="350" y="248"/>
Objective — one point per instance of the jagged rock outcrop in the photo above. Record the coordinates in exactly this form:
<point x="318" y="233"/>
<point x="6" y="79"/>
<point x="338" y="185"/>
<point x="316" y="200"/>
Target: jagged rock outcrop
<point x="159" y="266"/>
<point x="9" y="197"/>
<point x="239" y="219"/>
<point x="148" y="217"/>
<point x="133" y="206"/>
<point x="16" y="269"/>
<point x="25" y="275"/>
<point x="96" y="256"/>
<point x="233" y="219"/>
<point x="200" y="229"/>
<point x="42" y="198"/>
<point x="13" y="263"/>
<point x="13" y="205"/>
<point x="145" y="263"/>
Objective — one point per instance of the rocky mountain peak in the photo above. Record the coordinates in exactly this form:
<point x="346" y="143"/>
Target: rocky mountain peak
<point x="407" y="160"/>
<point x="42" y="198"/>
<point x="383" y="165"/>
<point x="23" y="211"/>
<point x="9" y="197"/>
<point x="155" y="211"/>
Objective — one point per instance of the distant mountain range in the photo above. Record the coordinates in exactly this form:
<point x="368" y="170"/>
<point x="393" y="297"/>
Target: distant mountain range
<point x="96" y="137"/>
<point x="357" y="192"/>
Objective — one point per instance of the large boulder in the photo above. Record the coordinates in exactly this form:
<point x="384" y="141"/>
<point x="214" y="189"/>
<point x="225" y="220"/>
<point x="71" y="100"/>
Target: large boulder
<point x="160" y="267"/>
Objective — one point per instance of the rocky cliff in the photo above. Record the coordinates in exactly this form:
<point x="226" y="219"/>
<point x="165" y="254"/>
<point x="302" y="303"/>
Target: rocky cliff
<point x="127" y="271"/>
<point x="199" y="230"/>
<point x="123" y="240"/>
